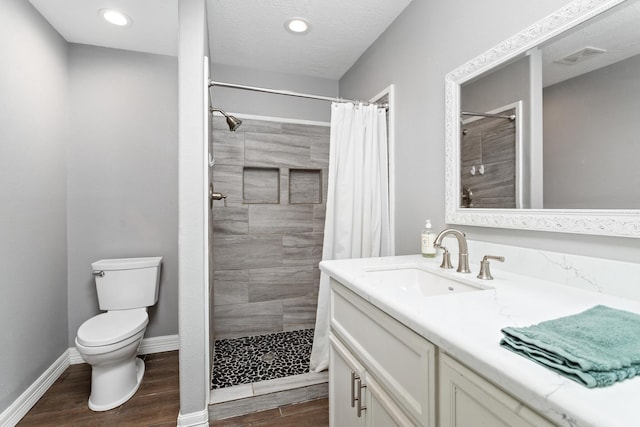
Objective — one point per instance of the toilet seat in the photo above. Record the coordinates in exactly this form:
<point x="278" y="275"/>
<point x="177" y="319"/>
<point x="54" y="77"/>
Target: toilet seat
<point x="112" y="327"/>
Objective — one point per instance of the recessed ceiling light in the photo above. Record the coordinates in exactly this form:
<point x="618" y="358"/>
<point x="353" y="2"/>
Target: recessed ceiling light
<point x="116" y="18"/>
<point x="297" y="26"/>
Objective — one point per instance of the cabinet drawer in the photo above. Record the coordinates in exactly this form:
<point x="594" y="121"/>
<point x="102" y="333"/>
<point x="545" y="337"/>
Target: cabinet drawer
<point x="402" y="362"/>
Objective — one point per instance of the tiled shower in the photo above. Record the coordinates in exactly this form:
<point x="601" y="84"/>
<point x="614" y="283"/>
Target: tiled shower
<point x="267" y="239"/>
<point x="488" y="168"/>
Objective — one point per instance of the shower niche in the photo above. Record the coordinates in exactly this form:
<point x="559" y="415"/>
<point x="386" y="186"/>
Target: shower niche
<point x="305" y="186"/>
<point x="260" y="185"/>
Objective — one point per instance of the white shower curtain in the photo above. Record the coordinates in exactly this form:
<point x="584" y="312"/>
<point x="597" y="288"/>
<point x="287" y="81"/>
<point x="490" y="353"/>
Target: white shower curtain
<point x="357" y="216"/>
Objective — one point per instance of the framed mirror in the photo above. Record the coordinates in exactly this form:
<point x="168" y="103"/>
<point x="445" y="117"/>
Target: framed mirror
<point x="540" y="129"/>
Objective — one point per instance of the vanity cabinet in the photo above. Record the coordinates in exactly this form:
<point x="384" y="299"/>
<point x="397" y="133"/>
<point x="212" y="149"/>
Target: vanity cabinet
<point x="376" y="358"/>
<point x="384" y="374"/>
<point x="468" y="400"/>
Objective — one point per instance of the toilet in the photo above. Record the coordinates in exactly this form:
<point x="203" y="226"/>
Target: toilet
<point x="109" y="342"/>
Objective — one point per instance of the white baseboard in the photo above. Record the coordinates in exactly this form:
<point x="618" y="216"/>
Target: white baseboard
<point x="31" y="395"/>
<point x="194" y="419"/>
<point x="148" y="346"/>
<point x="159" y="344"/>
<point x="19" y="408"/>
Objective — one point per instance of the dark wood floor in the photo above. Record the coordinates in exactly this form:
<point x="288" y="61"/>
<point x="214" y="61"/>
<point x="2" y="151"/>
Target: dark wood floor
<point x="156" y="403"/>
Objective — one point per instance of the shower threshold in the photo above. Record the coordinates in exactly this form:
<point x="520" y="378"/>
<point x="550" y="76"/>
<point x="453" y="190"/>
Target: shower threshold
<point x="266" y="395"/>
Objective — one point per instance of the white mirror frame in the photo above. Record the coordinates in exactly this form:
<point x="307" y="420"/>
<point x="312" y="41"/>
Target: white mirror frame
<point x="609" y="222"/>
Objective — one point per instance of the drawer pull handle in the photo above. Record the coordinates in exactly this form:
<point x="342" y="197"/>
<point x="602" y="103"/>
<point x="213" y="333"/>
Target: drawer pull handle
<point x="360" y="408"/>
<point x="353" y="391"/>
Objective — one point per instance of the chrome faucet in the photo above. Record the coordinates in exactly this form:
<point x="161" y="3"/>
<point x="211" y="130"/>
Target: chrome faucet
<point x="463" y="250"/>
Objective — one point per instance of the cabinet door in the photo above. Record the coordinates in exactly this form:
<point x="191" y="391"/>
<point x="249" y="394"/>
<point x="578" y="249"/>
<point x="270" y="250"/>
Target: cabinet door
<point x="342" y="388"/>
<point x="468" y="400"/>
<point x="381" y="409"/>
<point x="400" y="360"/>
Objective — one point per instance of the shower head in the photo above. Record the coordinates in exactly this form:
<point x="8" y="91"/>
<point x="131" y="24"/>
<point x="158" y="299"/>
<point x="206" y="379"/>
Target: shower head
<point x="233" y="122"/>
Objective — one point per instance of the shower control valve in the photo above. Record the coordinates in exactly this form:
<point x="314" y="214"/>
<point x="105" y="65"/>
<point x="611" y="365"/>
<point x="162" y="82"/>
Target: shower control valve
<point x="216" y="196"/>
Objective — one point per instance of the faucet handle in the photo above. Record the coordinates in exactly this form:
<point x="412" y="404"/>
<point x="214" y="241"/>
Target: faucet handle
<point x="485" y="271"/>
<point x="446" y="258"/>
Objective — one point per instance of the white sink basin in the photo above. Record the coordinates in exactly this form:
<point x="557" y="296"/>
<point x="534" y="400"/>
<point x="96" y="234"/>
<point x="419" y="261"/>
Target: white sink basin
<point x="417" y="281"/>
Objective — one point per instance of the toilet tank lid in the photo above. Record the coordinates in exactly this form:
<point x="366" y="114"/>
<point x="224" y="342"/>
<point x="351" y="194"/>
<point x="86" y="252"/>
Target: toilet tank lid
<point x="126" y="263"/>
<point x="112" y="327"/>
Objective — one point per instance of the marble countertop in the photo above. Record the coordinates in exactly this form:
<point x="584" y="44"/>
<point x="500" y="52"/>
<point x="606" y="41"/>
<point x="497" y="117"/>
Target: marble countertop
<point x="467" y="326"/>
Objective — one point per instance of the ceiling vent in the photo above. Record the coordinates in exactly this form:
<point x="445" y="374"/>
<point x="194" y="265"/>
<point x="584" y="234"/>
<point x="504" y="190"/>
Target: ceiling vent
<point x="581" y="55"/>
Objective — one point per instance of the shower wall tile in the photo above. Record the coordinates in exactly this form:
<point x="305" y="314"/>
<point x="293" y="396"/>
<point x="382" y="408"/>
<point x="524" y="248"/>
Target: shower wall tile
<point x="231" y="287"/>
<point x="228" y="147"/>
<point x="219" y="122"/>
<point x="249" y="251"/>
<point x="265" y="256"/>
<point x="239" y="320"/>
<point x="276" y="150"/>
<point x="319" y="151"/>
<point x="299" y="313"/>
<point x="260" y="126"/>
<point x="302" y="248"/>
<point x="228" y="181"/>
<point x="319" y="214"/>
<point x="305" y="130"/>
<point x="499" y="146"/>
<point x="316" y="279"/>
<point x="496" y="202"/>
<point x="280" y="283"/>
<point x="490" y="142"/>
<point x="305" y="186"/>
<point x="284" y="186"/>
<point x="471" y="146"/>
<point x="280" y="219"/>
<point x="230" y="220"/>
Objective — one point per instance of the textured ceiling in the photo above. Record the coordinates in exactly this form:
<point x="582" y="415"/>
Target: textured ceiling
<point x="154" y="30"/>
<point x="251" y="33"/>
<point x="247" y="33"/>
<point x="617" y="32"/>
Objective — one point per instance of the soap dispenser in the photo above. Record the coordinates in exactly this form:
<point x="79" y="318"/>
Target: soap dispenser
<point x="428" y="238"/>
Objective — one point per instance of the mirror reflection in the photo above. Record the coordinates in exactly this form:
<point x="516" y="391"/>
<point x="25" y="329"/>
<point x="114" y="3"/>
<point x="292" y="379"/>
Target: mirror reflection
<point x="555" y="127"/>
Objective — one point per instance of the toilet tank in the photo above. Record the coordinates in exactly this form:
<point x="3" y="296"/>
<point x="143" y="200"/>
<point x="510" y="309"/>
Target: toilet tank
<point x="127" y="282"/>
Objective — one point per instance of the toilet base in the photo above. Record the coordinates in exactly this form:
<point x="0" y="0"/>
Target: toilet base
<point x="103" y="394"/>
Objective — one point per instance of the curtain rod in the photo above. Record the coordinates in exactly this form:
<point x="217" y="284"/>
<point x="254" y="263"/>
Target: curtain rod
<point x="291" y="93"/>
<point x="511" y="117"/>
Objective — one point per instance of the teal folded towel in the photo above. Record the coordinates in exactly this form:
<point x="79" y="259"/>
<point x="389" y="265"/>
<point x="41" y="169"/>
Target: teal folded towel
<point x="596" y="348"/>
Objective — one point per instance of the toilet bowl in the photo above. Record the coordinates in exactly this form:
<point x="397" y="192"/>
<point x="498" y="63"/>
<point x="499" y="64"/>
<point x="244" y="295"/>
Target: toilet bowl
<point x="109" y="342"/>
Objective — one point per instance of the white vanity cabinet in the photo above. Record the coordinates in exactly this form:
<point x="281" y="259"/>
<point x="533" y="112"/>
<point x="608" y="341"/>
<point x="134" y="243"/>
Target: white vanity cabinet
<point x="468" y="400"/>
<point x="384" y="374"/>
<point x="376" y="358"/>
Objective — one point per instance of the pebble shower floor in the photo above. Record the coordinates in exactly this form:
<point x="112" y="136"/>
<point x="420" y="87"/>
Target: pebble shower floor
<point x="248" y="360"/>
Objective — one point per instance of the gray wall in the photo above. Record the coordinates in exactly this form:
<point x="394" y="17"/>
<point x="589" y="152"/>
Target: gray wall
<point x="426" y="41"/>
<point x="591" y="147"/>
<point x="267" y="241"/>
<point x="123" y="173"/>
<point x="263" y="104"/>
<point x="33" y="244"/>
<point x="497" y="89"/>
